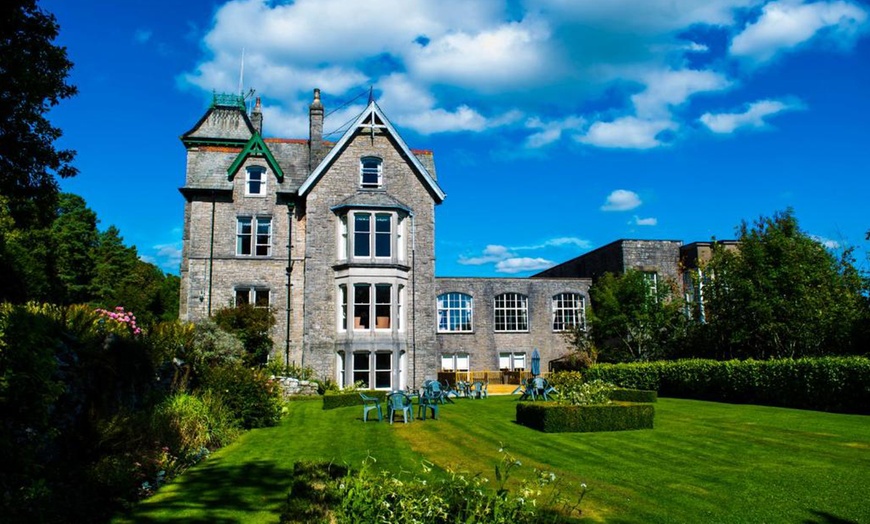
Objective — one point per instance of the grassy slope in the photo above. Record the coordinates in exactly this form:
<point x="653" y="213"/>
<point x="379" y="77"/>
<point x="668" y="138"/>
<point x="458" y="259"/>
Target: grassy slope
<point x="703" y="462"/>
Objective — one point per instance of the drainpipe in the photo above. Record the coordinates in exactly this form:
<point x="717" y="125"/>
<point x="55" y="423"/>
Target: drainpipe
<point x="414" y="303"/>
<point x="289" y="284"/>
<point x="211" y="252"/>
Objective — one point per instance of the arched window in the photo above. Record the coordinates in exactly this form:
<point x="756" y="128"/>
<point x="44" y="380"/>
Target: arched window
<point x="370" y="172"/>
<point x="569" y="311"/>
<point x="511" y="312"/>
<point x="455" y="313"/>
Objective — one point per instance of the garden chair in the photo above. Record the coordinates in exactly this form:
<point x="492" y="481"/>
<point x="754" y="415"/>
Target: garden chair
<point x="549" y="390"/>
<point x="538" y="388"/>
<point x="400" y="402"/>
<point x="369" y="404"/>
<point x="427" y="402"/>
<point x="448" y="390"/>
<point x="435" y="392"/>
<point x="478" y="390"/>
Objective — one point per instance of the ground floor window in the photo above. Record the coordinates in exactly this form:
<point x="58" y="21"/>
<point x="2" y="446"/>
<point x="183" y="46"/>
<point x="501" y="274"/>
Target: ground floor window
<point x="455" y="362"/>
<point x="512" y="361"/>
<point x="370" y="369"/>
<point x="258" y="297"/>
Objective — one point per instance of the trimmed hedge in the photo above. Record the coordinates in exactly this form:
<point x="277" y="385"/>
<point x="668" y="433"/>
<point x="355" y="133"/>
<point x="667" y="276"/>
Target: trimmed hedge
<point x="633" y="395"/>
<point x="837" y="384"/>
<point x="556" y="418"/>
<point x="341" y="400"/>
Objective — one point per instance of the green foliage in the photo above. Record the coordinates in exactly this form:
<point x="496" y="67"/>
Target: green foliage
<point x="212" y="346"/>
<point x="630" y="321"/>
<point x="840" y="384"/>
<point x="339" y="399"/>
<point x="34" y="80"/>
<point x="279" y="369"/>
<point x="74" y="237"/>
<point x="251" y="396"/>
<point x="593" y="392"/>
<point x="782" y="295"/>
<point x="558" y="418"/>
<point x="253" y="326"/>
<point x="187" y="423"/>
<point x="323" y="493"/>
<point x="633" y="395"/>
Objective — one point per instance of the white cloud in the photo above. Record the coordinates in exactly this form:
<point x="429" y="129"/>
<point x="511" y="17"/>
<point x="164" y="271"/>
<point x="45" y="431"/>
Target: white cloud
<point x="492" y="253"/>
<point x="166" y="256"/>
<point x="827" y="242"/>
<point x="521" y="264"/>
<point x="621" y="200"/>
<point x="626" y="133"/>
<point x="786" y="24"/>
<point x="651" y="221"/>
<point x="754" y="116"/>
<point x="535" y="67"/>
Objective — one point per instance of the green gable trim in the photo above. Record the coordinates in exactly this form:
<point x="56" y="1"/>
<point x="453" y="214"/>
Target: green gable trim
<point x="255" y="147"/>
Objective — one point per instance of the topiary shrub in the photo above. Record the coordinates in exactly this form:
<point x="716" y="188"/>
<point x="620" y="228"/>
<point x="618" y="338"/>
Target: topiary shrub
<point x="558" y="418"/>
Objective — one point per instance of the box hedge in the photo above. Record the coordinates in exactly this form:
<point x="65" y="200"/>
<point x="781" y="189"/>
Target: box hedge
<point x="633" y="395"/>
<point x="340" y="400"/>
<point x="550" y="417"/>
<point x="837" y="384"/>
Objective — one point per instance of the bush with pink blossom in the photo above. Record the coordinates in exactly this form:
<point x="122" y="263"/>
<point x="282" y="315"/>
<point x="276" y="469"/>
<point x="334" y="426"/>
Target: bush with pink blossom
<point x="118" y="321"/>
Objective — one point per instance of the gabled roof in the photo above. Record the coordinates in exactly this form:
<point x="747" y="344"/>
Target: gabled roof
<point x="372" y="118"/>
<point x="255" y="147"/>
<point x="225" y="123"/>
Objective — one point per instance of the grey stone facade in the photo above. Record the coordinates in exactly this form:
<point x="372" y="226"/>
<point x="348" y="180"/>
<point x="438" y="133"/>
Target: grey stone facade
<point x="650" y="256"/>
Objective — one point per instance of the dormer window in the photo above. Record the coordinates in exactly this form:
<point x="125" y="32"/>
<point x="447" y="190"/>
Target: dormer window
<point x="371" y="172"/>
<point x="255" y="181"/>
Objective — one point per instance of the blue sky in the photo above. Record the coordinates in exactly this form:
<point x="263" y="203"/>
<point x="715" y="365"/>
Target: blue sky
<point x="558" y="125"/>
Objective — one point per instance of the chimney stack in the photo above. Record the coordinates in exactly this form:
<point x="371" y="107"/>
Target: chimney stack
<point x="315" y="131"/>
<point x="257" y="117"/>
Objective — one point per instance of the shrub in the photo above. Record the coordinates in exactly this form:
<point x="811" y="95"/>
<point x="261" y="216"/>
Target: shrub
<point x="633" y="395"/>
<point x="594" y="392"/>
<point x="339" y="400"/>
<point x="212" y="346"/>
<point x="557" y="418"/>
<point x="253" y="398"/>
<point x="186" y="423"/>
<point x="251" y="325"/>
<point x="839" y="384"/>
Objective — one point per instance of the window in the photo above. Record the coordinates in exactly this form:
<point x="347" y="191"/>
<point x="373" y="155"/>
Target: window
<point x="342" y="312"/>
<point x="400" y="310"/>
<point x="455" y="313"/>
<point x="512" y="361"/>
<point x="364" y="308"/>
<point x="383" y="370"/>
<point x="371" y="172"/>
<point x="258" y="297"/>
<point x="569" y="312"/>
<point x="361" y="368"/>
<point x="652" y="279"/>
<point x="255" y="181"/>
<point x="511" y="312"/>
<point x="455" y="362"/>
<point x="254" y="236"/>
<point x="342" y="237"/>
<point x="363" y="241"/>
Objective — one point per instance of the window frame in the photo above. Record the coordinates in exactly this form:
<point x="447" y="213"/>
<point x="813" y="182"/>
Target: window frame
<point x="254" y="294"/>
<point x="369" y="235"/>
<point x="252" y="237"/>
<point x="514" y="313"/>
<point x="577" y="309"/>
<point x="448" y="311"/>
<point x="262" y="172"/>
<point x="368" y="171"/>
<point x="379" y="298"/>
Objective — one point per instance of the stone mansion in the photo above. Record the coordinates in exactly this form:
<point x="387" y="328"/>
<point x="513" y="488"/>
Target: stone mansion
<point x="338" y="240"/>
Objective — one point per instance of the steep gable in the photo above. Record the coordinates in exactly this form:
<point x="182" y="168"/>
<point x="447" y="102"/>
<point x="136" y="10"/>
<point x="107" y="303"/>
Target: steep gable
<point x="256" y="147"/>
<point x="367" y="122"/>
<point x="225" y="123"/>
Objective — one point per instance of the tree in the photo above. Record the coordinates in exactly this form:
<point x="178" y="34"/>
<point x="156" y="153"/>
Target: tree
<point x="75" y="237"/>
<point x="632" y="320"/>
<point x="33" y="80"/>
<point x="783" y="294"/>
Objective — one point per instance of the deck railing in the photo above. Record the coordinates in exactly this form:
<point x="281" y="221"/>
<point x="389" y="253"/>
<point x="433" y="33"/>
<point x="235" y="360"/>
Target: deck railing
<point x="488" y="376"/>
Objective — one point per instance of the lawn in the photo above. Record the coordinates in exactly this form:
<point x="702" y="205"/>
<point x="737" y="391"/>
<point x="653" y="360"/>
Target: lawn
<point x="703" y="462"/>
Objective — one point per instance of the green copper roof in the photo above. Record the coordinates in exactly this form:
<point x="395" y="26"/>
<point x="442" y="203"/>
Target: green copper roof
<point x="228" y="100"/>
<point x="256" y="147"/>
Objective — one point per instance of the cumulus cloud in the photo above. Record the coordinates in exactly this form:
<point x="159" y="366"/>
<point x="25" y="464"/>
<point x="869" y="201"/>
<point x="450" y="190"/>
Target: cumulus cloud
<point x="621" y="200"/>
<point x="626" y="133"/>
<point x="492" y="253"/>
<point x="754" y="116"/>
<point x="521" y="264"/>
<point x="651" y="221"/>
<point x="559" y="242"/>
<point x="786" y="24"/>
<point x="538" y="68"/>
<point x="165" y="256"/>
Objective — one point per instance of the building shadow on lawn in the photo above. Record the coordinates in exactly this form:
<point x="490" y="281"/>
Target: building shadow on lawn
<point x="823" y="517"/>
<point x="217" y="494"/>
